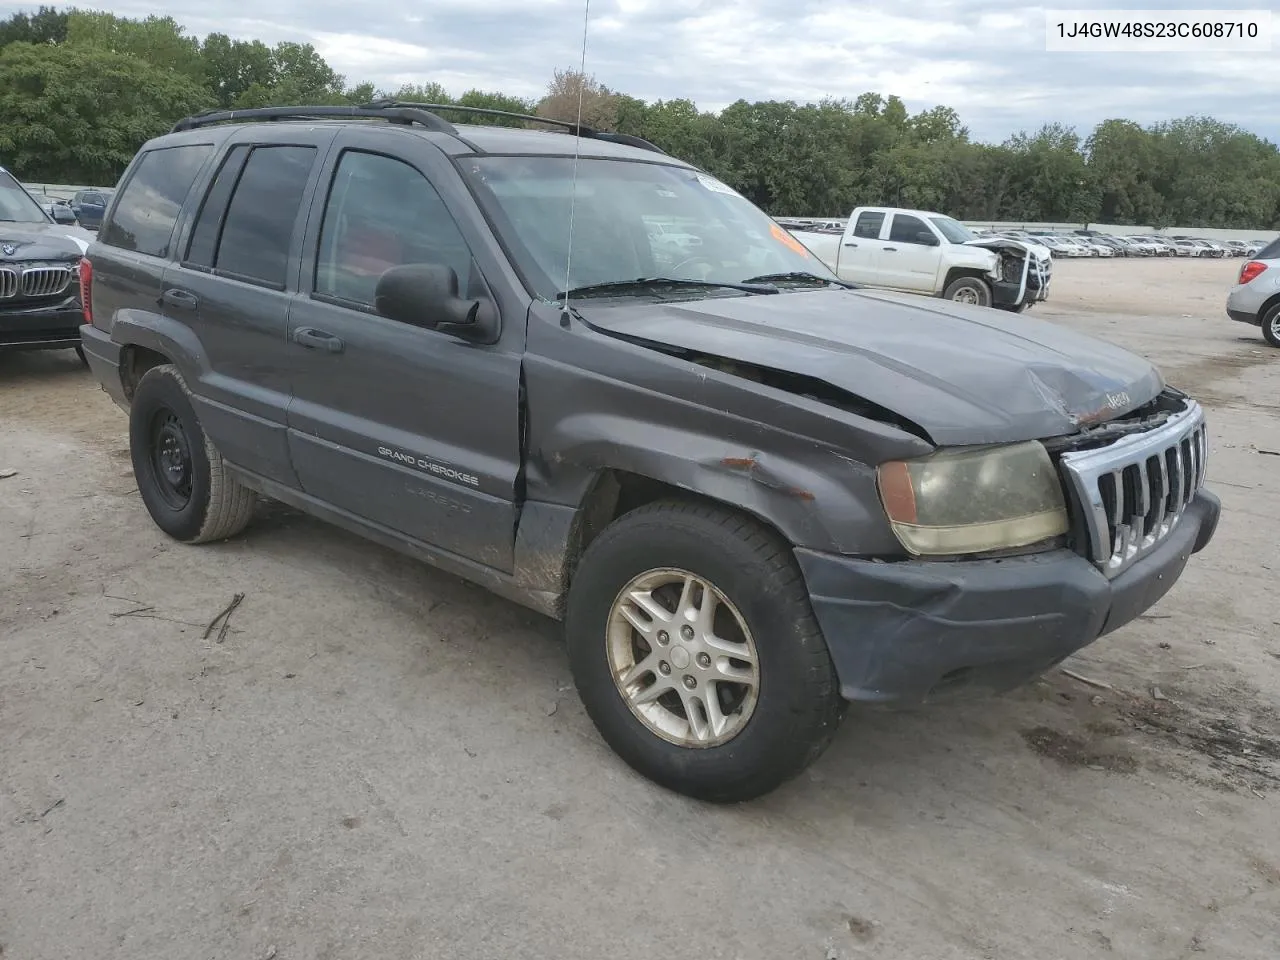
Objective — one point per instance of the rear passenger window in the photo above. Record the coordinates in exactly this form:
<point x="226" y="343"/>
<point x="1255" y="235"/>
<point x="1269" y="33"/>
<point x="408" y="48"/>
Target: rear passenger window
<point x="258" y="227"/>
<point x="152" y="199"/>
<point x="382" y="213"/>
<point x="202" y="248"/>
<point x="869" y="225"/>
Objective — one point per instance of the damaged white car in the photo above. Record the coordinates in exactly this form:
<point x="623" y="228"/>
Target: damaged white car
<point x="919" y="251"/>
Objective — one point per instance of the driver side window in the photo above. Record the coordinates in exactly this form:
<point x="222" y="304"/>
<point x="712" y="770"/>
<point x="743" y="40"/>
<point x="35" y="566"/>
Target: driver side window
<point x="382" y="213"/>
<point x="908" y="229"/>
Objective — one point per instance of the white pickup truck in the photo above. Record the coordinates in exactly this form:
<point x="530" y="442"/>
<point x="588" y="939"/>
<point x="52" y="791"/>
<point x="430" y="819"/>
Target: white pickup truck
<point x="924" y="252"/>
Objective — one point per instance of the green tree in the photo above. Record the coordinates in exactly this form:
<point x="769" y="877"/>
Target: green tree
<point x="160" y="41"/>
<point x="77" y="114"/>
<point x="233" y="67"/>
<point x="46" y="25"/>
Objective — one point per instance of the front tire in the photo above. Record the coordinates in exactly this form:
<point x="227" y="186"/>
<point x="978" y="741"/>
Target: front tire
<point x="185" y="485"/>
<point x="1271" y="325"/>
<point x="696" y="652"/>
<point x="969" y="290"/>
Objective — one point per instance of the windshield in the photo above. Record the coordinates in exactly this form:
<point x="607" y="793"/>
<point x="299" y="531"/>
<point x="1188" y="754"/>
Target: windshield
<point x="16" y="204"/>
<point x="953" y="230"/>
<point x="630" y="220"/>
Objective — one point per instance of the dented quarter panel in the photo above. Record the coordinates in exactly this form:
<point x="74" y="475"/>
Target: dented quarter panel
<point x="966" y="374"/>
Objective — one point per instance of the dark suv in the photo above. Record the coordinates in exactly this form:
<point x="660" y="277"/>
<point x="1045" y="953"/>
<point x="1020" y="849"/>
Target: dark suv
<point x="752" y="493"/>
<point x="39" y="274"/>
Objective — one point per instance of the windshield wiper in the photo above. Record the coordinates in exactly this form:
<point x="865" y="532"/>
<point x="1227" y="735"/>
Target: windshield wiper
<point x="798" y="276"/>
<point x="642" y="284"/>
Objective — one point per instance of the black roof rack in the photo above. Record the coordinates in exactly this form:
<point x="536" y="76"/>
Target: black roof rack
<point x="406" y="115"/>
<point x="574" y="128"/>
<point x="400" y="111"/>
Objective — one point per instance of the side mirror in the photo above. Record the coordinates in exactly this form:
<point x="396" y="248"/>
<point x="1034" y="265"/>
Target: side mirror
<point x="927" y="238"/>
<point x="63" y="214"/>
<point x="426" y="295"/>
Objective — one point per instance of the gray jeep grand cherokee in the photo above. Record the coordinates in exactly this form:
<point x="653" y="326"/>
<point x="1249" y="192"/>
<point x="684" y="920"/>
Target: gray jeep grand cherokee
<point x="751" y="493"/>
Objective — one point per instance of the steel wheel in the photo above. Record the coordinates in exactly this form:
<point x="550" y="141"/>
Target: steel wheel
<point x="683" y="658"/>
<point x="966" y="295"/>
<point x="171" y="463"/>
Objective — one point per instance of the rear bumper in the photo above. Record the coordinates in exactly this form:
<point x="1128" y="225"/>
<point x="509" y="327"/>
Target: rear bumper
<point x="103" y="356"/>
<point x="920" y="631"/>
<point x="41" y="327"/>
<point x="1244" y="316"/>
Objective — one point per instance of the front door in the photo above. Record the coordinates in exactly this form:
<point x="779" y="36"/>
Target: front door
<point x="409" y="429"/>
<point x="910" y="255"/>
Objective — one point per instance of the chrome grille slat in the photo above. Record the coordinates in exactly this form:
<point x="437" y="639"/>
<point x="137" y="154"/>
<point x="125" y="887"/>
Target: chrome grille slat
<point x="45" y="281"/>
<point x="1134" y="490"/>
<point x="35" y="281"/>
<point x="1162" y="500"/>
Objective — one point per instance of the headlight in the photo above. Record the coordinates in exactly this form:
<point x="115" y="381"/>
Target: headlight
<point x="974" y="500"/>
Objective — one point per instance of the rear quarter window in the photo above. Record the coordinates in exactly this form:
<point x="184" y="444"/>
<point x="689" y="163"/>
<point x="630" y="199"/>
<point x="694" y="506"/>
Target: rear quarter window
<point x="1270" y="252"/>
<point x="152" y="199"/>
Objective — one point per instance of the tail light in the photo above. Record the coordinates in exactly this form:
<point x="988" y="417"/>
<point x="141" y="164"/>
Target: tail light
<point x="1251" y="270"/>
<point x="86" y="289"/>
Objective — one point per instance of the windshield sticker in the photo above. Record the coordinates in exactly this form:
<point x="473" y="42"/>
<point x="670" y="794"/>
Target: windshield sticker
<point x="788" y="240"/>
<point x="715" y="186"/>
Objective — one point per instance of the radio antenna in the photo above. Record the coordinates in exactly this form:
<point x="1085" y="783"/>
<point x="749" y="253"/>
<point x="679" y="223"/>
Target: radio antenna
<point x="577" y="144"/>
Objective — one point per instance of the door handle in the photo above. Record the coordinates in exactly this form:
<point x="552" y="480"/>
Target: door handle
<point x="850" y="244"/>
<point x="890" y="249"/>
<point x="314" y="339"/>
<point x="179" y="299"/>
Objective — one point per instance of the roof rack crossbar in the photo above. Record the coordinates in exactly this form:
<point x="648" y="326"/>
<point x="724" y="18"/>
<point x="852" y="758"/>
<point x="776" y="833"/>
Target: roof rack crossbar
<point x="573" y="128"/>
<point x="407" y="114"/>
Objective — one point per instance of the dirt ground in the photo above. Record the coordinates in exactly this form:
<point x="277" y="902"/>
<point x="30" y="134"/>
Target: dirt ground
<point x="380" y="761"/>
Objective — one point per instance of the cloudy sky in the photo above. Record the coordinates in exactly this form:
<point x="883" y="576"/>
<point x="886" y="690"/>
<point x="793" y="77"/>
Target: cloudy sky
<point x="985" y="58"/>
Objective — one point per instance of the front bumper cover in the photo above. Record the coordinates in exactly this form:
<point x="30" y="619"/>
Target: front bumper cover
<point x="41" y="326"/>
<point x="919" y="631"/>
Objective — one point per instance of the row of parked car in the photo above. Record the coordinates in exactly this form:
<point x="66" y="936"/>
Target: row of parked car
<point x="1092" y="243"/>
<point x="85" y="209"/>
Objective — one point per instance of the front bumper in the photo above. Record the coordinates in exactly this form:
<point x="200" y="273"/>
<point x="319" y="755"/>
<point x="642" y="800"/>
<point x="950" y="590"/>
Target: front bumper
<point x="920" y="631"/>
<point x="42" y="326"/>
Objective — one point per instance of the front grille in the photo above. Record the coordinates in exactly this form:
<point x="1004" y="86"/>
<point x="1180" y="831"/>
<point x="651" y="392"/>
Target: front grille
<point x="1134" y="490"/>
<point x="45" y="281"/>
<point x="33" y="282"/>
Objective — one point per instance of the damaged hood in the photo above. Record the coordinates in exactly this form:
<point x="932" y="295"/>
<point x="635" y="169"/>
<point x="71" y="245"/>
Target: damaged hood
<point x="1009" y="243"/>
<point x="965" y="374"/>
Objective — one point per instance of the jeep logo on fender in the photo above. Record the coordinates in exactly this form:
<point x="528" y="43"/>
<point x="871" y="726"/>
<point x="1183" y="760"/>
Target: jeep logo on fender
<point x="439" y="469"/>
<point x="1117" y="400"/>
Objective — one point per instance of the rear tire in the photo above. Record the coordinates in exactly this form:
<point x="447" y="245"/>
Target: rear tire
<point x="188" y="490"/>
<point x="968" y="290"/>
<point x="658" y="695"/>
<point x="1271" y="325"/>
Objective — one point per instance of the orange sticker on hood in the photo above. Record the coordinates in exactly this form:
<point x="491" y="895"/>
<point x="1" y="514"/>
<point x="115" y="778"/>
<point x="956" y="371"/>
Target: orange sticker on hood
<point x="783" y="237"/>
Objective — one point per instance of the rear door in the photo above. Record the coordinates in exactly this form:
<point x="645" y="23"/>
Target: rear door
<point x="412" y="430"/>
<point x="232" y="287"/>
<point x="134" y="247"/>
<point x="910" y="254"/>
<point x="860" y="248"/>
